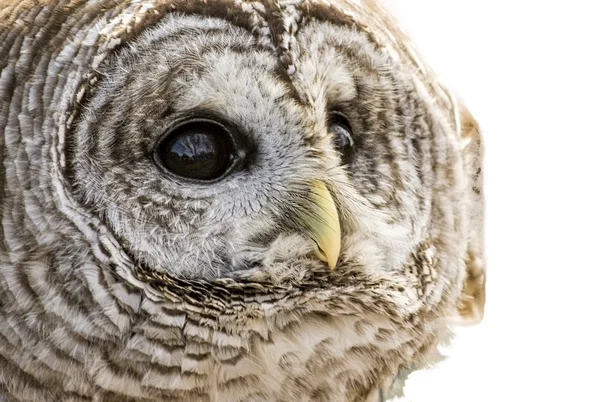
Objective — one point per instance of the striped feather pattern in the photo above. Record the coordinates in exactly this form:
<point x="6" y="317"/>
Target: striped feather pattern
<point x="86" y="316"/>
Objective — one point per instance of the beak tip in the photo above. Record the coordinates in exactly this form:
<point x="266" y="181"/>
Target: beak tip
<point x="327" y="258"/>
<point x="332" y="261"/>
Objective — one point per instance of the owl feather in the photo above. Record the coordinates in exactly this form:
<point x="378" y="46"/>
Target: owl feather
<point x="324" y="230"/>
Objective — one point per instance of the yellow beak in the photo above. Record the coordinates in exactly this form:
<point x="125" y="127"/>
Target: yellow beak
<point x="322" y="224"/>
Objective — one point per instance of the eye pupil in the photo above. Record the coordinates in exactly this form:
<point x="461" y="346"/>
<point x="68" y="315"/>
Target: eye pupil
<point x="342" y="132"/>
<point x="200" y="150"/>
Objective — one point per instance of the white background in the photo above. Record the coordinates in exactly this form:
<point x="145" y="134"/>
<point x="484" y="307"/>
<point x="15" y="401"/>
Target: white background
<point x="530" y="73"/>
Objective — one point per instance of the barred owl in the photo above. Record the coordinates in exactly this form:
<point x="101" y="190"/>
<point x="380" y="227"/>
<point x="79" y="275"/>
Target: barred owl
<point x="227" y="200"/>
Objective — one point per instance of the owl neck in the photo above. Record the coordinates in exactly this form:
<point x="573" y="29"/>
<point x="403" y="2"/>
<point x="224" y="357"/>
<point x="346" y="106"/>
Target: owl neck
<point x="95" y="333"/>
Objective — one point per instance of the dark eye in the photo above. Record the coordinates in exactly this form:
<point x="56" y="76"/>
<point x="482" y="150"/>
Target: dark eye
<point x="340" y="127"/>
<point x="201" y="150"/>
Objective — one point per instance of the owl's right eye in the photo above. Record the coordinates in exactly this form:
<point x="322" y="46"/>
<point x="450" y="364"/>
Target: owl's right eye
<point x="340" y="127"/>
<point x="201" y="150"/>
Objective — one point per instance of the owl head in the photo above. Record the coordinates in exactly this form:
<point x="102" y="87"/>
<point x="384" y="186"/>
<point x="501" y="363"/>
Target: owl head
<point x="257" y="162"/>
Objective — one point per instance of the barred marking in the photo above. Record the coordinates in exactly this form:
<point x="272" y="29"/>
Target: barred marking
<point x="88" y="322"/>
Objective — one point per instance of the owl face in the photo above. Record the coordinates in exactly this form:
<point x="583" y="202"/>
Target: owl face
<point x="206" y="159"/>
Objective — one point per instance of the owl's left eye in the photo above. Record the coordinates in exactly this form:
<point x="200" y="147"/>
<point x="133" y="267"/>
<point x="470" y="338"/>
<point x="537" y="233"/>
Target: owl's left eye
<point x="340" y="127"/>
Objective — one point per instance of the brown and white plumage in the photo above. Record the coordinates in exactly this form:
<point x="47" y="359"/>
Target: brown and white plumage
<point x="119" y="281"/>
